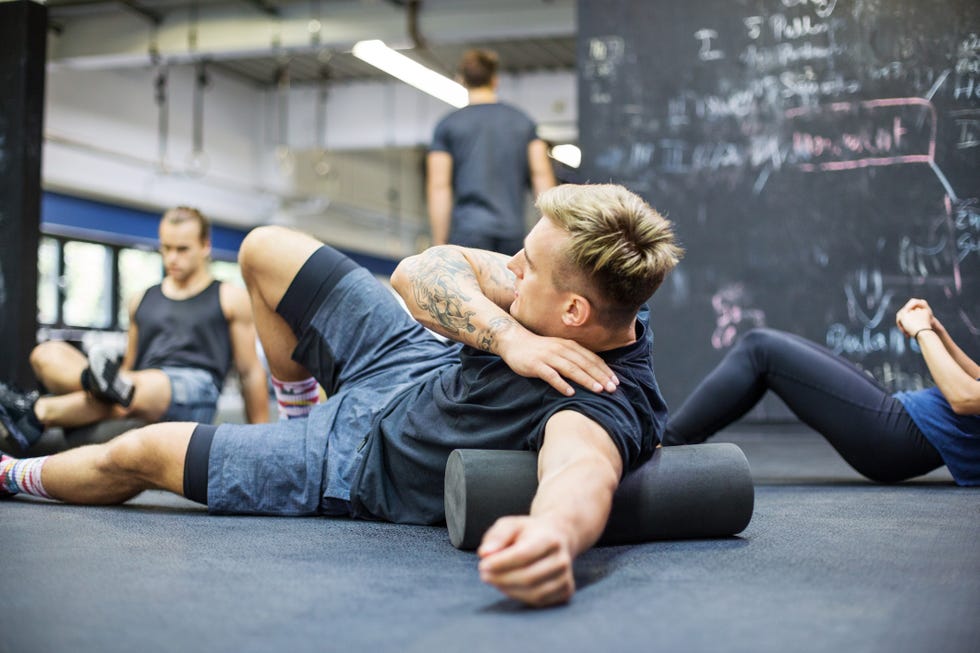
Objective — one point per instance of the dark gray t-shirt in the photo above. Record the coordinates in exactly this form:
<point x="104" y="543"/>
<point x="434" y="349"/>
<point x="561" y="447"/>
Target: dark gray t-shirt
<point x="480" y="403"/>
<point x="491" y="176"/>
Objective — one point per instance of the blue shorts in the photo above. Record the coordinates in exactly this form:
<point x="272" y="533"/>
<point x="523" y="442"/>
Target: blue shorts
<point x="193" y="395"/>
<point x="364" y="349"/>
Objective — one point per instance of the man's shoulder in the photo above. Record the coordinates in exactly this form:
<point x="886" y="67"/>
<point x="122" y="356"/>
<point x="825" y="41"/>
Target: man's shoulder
<point x="136" y="299"/>
<point x="478" y="114"/>
<point x="510" y="108"/>
<point x="233" y="299"/>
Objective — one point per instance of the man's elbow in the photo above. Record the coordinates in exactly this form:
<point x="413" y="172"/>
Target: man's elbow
<point x="401" y="278"/>
<point x="252" y="375"/>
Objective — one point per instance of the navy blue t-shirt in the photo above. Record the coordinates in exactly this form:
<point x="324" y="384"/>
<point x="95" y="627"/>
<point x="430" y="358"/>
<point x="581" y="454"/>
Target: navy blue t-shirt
<point x="491" y="175"/>
<point x="480" y="403"/>
<point x="955" y="437"/>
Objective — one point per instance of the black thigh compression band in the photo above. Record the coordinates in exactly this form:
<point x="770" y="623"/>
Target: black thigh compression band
<point x="196" y="463"/>
<point x="318" y="276"/>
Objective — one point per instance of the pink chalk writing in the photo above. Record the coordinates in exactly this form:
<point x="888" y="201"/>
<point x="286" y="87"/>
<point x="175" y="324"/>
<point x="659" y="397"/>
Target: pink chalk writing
<point x="889" y="131"/>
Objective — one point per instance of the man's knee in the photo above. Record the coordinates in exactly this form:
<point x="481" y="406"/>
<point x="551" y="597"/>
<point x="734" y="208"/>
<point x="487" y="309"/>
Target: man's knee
<point x="137" y="454"/>
<point x="46" y="356"/>
<point x="260" y="244"/>
<point x="270" y="258"/>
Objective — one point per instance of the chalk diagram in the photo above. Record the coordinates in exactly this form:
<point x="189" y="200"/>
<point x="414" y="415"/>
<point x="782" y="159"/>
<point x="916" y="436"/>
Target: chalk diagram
<point x="906" y="134"/>
<point x="796" y="88"/>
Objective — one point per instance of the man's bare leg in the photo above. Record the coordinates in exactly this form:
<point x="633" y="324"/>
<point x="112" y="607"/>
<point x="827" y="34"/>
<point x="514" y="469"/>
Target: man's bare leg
<point x="58" y="366"/>
<point x="270" y="257"/>
<point x="148" y="458"/>
<point x="150" y="402"/>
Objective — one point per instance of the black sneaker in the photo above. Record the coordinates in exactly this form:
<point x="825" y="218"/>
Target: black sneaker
<point x="102" y="378"/>
<point x="19" y="426"/>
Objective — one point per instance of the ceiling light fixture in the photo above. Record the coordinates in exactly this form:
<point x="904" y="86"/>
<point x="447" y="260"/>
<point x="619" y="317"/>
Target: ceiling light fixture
<point x="396" y="64"/>
<point x="568" y="154"/>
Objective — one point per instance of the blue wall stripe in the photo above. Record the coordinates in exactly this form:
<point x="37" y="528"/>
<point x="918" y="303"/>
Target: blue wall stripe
<point x="117" y="225"/>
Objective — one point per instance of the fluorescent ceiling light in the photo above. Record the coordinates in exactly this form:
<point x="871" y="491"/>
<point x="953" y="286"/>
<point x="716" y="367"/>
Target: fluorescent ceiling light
<point x="398" y="65"/>
<point x="568" y="154"/>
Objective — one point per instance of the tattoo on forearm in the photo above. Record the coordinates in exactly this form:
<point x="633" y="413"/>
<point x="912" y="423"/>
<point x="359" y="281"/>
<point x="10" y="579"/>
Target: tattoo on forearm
<point x="487" y="338"/>
<point x="498" y="281"/>
<point x="439" y="289"/>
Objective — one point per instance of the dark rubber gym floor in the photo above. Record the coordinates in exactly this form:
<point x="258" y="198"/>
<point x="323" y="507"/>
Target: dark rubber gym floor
<point x="829" y="562"/>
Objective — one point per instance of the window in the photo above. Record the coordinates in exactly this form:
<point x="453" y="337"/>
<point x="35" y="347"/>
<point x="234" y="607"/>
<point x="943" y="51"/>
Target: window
<point x="138" y="270"/>
<point x="227" y="271"/>
<point x="48" y="277"/>
<point x="85" y="285"/>
<point x="88" y="282"/>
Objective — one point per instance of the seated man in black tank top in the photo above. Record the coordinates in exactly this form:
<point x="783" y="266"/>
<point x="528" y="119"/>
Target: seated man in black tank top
<point x="184" y="334"/>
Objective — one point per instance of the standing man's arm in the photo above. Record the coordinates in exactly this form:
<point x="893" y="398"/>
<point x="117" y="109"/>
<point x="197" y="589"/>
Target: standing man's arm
<point x="439" y="194"/>
<point x="542" y="174"/>
<point x="529" y="558"/>
<point x="241" y="332"/>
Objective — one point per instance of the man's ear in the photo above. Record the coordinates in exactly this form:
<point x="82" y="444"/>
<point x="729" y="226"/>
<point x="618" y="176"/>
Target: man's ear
<point x="577" y="311"/>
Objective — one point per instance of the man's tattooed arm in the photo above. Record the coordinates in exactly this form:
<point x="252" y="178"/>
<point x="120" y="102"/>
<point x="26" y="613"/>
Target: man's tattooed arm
<point x="466" y="294"/>
<point x="441" y="287"/>
<point x="461" y="296"/>
<point x="488" y="337"/>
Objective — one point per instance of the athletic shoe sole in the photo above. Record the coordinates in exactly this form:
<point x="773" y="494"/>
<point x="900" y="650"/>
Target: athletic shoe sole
<point x="105" y="375"/>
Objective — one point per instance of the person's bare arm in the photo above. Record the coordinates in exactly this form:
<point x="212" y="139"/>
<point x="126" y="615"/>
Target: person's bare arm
<point x="241" y="332"/>
<point x="439" y="194"/>
<point x="530" y="558"/>
<point x="955" y="377"/>
<point x="968" y="364"/>
<point x="132" y="338"/>
<point x="464" y="294"/>
<point x="542" y="173"/>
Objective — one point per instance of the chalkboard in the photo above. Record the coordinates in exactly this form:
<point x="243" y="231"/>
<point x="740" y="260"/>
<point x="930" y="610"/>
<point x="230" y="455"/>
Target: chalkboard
<point x="820" y="159"/>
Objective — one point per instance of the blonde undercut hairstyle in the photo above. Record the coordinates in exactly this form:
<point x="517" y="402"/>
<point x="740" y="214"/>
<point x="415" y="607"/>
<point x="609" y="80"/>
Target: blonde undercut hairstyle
<point x="181" y="214"/>
<point x="620" y="249"/>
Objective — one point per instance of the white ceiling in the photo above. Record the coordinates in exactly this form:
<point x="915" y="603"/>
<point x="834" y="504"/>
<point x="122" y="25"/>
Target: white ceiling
<point x="310" y="40"/>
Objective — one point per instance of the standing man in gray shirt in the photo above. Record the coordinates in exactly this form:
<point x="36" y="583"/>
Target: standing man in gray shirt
<point x="483" y="159"/>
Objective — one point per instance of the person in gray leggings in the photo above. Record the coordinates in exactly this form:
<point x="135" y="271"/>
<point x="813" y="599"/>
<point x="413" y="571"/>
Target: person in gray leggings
<point x="886" y="437"/>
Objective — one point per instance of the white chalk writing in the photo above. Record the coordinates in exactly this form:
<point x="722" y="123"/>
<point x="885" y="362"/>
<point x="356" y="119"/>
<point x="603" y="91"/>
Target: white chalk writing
<point x="822" y="8"/>
<point x="896" y="379"/>
<point x="966" y="88"/>
<point x="968" y="56"/>
<point x="966" y="221"/>
<point x="705" y="51"/>
<point x="968" y="130"/>
<point x="867" y="299"/>
<point x="864" y="341"/>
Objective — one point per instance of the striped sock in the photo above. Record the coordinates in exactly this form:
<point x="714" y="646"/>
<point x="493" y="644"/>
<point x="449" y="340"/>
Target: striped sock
<point x="296" y="398"/>
<point x="22" y="476"/>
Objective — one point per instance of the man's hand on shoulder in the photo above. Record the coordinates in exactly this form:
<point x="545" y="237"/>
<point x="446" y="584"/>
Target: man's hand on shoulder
<point x="528" y="559"/>
<point x="554" y="360"/>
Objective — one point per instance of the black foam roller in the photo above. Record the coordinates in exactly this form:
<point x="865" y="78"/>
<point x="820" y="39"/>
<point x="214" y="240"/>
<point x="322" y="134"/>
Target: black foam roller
<point x="683" y="492"/>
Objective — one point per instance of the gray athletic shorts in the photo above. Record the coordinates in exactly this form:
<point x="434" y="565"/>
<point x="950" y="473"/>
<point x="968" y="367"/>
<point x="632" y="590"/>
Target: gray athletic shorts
<point x="364" y="349"/>
<point x="193" y="395"/>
